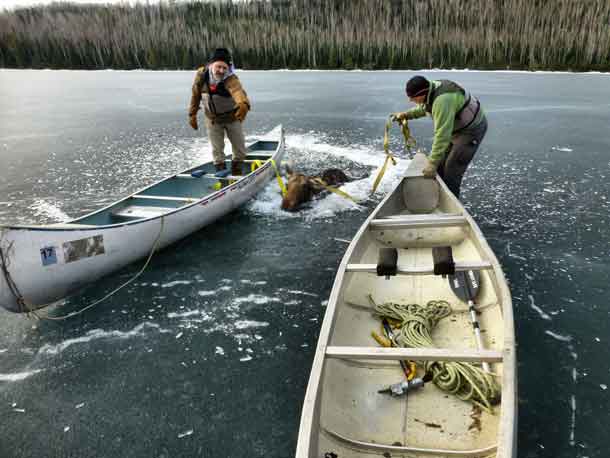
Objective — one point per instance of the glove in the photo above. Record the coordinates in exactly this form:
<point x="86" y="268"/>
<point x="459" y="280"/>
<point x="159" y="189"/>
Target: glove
<point x="429" y="171"/>
<point x="397" y="117"/>
<point x="400" y="117"/>
<point x="193" y="121"/>
<point x="241" y="112"/>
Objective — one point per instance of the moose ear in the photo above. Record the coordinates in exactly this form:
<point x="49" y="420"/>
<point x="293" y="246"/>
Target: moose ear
<point x="289" y="166"/>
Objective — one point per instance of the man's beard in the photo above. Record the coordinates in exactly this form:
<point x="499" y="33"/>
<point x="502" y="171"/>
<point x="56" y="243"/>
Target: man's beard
<point x="218" y="76"/>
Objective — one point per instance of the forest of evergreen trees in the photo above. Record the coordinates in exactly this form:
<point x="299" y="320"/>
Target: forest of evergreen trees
<point x="322" y="34"/>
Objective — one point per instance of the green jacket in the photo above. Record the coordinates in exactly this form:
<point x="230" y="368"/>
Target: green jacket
<point x="445" y="108"/>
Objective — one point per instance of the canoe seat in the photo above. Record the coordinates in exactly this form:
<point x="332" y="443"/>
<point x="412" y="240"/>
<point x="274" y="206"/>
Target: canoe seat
<point x="133" y="212"/>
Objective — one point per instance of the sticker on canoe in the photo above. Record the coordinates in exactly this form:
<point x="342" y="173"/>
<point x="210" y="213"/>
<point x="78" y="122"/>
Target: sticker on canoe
<point x="48" y="255"/>
<point x="83" y="248"/>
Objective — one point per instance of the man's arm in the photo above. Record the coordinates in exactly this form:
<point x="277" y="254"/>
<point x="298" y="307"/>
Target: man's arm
<point x="239" y="95"/>
<point x="418" y="111"/>
<point x="443" y="114"/>
<point x="414" y="113"/>
<point x="196" y="92"/>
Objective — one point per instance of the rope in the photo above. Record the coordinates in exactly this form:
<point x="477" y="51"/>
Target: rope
<point x="30" y="309"/>
<point x="279" y="178"/>
<point x="339" y="192"/>
<point x="409" y="145"/>
<point x="464" y="380"/>
<point x="9" y="280"/>
<point x="410" y="141"/>
<point x="255" y="165"/>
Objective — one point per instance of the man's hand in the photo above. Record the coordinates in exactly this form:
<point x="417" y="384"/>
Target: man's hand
<point x="429" y="171"/>
<point x="400" y="117"/>
<point x="193" y="121"/>
<point x="241" y="112"/>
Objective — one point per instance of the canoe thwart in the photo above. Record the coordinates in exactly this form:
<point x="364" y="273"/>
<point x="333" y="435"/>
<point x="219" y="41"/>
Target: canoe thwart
<point x="357" y="444"/>
<point x="459" y="266"/>
<point x="209" y="175"/>
<point x="169" y="198"/>
<point x="417" y="222"/>
<point x="420" y="216"/>
<point x="415" y="354"/>
<point x="227" y="177"/>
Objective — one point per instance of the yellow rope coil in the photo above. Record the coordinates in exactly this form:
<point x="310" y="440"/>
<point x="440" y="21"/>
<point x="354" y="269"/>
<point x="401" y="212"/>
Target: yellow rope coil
<point x="464" y="380"/>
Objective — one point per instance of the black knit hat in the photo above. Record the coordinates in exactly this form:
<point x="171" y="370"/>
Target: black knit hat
<point x="222" y="54"/>
<point x="418" y="85"/>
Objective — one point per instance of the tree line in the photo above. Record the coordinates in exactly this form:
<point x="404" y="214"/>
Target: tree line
<point x="316" y="34"/>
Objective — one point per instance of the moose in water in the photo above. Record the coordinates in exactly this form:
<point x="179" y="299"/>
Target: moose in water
<point x="303" y="188"/>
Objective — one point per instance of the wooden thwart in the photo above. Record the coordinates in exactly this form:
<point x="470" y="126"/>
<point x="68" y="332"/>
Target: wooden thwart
<point x="210" y="175"/>
<point x="418" y="221"/>
<point x="168" y="198"/>
<point x="465" y="266"/>
<point x="416" y="354"/>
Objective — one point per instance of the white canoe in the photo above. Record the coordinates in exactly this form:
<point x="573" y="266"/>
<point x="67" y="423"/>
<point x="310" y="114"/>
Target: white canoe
<point x="43" y="264"/>
<point x="343" y="413"/>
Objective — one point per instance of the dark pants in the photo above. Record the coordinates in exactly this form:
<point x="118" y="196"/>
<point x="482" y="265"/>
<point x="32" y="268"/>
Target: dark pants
<point x="459" y="154"/>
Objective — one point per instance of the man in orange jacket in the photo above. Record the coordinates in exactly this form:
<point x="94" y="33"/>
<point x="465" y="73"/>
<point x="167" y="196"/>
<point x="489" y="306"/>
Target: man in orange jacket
<point x="225" y="105"/>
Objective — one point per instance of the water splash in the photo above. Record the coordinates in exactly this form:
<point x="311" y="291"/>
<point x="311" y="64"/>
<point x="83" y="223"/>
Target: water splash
<point x="49" y="211"/>
<point x="314" y="152"/>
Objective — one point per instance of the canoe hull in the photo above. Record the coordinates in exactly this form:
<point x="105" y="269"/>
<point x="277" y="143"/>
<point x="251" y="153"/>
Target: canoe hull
<point x="48" y="263"/>
<point x="342" y="412"/>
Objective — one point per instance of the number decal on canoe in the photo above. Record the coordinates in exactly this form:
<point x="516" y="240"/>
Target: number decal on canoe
<point x="48" y="255"/>
<point x="83" y="248"/>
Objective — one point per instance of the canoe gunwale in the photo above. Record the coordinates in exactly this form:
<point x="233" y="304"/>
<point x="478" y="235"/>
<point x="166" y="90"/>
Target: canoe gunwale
<point x="193" y="201"/>
<point x="172" y="211"/>
<point x="416" y="354"/>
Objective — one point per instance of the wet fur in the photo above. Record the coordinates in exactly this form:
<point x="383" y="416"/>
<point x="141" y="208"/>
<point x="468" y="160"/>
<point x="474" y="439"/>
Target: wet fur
<point x="302" y="188"/>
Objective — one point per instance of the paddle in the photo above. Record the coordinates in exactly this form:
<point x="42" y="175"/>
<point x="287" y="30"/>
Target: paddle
<point x="466" y="285"/>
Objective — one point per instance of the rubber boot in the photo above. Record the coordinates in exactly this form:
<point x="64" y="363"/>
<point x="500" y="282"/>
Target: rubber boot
<point x="220" y="166"/>
<point x="237" y="168"/>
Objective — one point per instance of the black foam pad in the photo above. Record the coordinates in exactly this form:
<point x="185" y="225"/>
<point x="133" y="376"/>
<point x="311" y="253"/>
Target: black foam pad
<point x="443" y="260"/>
<point x="386" y="265"/>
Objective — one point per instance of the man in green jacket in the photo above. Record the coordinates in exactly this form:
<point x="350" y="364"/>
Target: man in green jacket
<point x="459" y="126"/>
